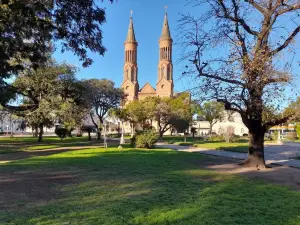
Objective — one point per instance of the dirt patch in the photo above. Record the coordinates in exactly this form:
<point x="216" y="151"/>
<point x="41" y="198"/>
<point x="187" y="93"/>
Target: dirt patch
<point x="281" y="175"/>
<point x="16" y="188"/>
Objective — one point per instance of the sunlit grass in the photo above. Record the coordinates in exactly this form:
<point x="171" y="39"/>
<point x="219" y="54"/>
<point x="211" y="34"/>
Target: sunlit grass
<point x="138" y="186"/>
<point x="17" y="144"/>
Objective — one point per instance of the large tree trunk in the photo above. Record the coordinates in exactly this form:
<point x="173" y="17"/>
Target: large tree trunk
<point x="89" y="133"/>
<point x="98" y="134"/>
<point x="161" y="134"/>
<point x="36" y="130"/>
<point x="41" y="131"/>
<point x="256" y="148"/>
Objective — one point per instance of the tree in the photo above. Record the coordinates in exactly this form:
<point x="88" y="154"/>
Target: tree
<point x="29" y="28"/>
<point x="102" y="95"/>
<point x="71" y="116"/>
<point x="171" y="112"/>
<point x="42" y="92"/>
<point x="193" y="131"/>
<point x="240" y="60"/>
<point x="137" y="113"/>
<point x="212" y="112"/>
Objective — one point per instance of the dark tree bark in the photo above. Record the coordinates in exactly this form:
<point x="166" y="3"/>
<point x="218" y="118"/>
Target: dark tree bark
<point x="89" y="133"/>
<point x="97" y="127"/>
<point x="41" y="131"/>
<point x="36" y="131"/>
<point x="161" y="134"/>
<point x="256" y="149"/>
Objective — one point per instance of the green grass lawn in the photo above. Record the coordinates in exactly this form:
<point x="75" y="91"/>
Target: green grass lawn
<point x="138" y="187"/>
<point x="239" y="146"/>
<point x="15" y="144"/>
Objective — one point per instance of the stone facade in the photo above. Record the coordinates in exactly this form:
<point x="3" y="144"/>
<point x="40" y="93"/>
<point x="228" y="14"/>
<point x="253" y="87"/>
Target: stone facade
<point x="164" y="85"/>
<point x="231" y="123"/>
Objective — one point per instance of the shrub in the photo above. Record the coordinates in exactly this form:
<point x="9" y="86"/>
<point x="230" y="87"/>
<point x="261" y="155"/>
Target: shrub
<point x="274" y="135"/>
<point x="61" y="132"/>
<point x="245" y="135"/>
<point x="145" y="139"/>
<point x="217" y="138"/>
<point x="291" y="136"/>
<point x="298" y="130"/>
<point x="230" y="137"/>
<point x="114" y="135"/>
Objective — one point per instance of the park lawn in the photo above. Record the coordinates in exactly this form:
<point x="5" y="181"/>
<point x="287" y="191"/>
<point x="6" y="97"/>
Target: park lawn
<point x="131" y="186"/>
<point x="16" y="144"/>
<point x="239" y="146"/>
<point x="176" y="139"/>
<point x="47" y="139"/>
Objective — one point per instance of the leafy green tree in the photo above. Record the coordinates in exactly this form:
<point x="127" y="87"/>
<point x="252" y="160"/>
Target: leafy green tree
<point x="101" y="95"/>
<point x="137" y="113"/>
<point x="42" y="92"/>
<point x="27" y="29"/>
<point x="170" y="112"/>
<point x="212" y="112"/>
<point x="71" y="116"/>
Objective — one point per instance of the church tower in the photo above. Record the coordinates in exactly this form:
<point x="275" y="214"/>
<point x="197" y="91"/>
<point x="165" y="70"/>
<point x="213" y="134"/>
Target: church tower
<point x="130" y="79"/>
<point x="164" y="85"/>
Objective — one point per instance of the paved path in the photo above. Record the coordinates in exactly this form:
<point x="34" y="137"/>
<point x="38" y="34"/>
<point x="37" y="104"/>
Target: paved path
<point x="276" y="154"/>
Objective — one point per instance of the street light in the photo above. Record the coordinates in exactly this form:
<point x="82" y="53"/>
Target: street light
<point x="122" y="141"/>
<point x="104" y="136"/>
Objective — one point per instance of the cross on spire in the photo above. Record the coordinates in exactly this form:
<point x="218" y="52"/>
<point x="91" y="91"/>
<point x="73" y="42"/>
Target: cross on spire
<point x="166" y="9"/>
<point x="131" y="12"/>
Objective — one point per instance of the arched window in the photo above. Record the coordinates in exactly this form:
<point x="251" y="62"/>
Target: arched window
<point x="168" y="74"/>
<point x="162" y="72"/>
<point x="127" y="74"/>
<point x="132" y="74"/>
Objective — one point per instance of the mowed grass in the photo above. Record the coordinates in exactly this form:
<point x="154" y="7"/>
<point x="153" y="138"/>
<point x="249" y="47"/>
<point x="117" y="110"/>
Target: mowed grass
<point x="16" y="144"/>
<point x="137" y="187"/>
<point x="240" y="145"/>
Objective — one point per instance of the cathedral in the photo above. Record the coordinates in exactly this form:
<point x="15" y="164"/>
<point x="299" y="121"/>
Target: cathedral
<point x="164" y="85"/>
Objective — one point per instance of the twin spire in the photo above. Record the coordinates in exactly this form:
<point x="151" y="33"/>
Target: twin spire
<point x="164" y="35"/>
<point x="130" y="34"/>
<point x="165" y="31"/>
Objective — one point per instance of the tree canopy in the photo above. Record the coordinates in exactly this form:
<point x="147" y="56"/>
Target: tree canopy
<point x="102" y="95"/>
<point x="43" y="95"/>
<point x="239" y="59"/>
<point x="212" y="112"/>
<point x="30" y="29"/>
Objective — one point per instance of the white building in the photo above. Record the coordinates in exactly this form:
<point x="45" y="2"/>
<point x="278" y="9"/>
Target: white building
<point x="231" y="123"/>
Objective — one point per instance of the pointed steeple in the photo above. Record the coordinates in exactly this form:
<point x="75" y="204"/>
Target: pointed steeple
<point x="165" y="31"/>
<point x="130" y="34"/>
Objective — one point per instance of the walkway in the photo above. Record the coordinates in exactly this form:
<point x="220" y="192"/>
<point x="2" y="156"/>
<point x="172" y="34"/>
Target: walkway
<point x="274" y="154"/>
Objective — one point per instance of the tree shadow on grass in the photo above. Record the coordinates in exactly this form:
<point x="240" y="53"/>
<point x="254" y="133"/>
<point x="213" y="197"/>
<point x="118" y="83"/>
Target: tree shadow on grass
<point x="145" y="187"/>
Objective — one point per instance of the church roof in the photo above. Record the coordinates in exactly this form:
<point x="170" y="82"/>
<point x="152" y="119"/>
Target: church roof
<point x="130" y="34"/>
<point x="147" y="88"/>
<point x="166" y="30"/>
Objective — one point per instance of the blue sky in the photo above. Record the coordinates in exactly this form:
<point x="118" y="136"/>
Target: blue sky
<point x="148" y="19"/>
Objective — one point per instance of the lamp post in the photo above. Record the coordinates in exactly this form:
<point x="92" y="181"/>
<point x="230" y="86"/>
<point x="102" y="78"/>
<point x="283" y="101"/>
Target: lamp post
<point x="122" y="141"/>
<point x="104" y="136"/>
<point x="278" y="138"/>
